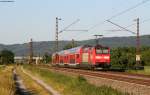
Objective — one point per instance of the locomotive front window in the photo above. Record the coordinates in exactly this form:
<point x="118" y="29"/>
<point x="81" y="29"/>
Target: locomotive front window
<point x="102" y="51"/>
<point x="99" y="51"/>
<point x="105" y="51"/>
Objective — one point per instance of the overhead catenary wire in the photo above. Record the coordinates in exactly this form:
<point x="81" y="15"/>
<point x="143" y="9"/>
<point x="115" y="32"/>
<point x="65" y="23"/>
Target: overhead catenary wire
<point x="116" y="15"/>
<point x="121" y="13"/>
<point x="121" y="27"/>
<point x="7" y="1"/>
<point x="146" y="20"/>
<point x="76" y="30"/>
<point x="69" y="25"/>
<point x="129" y="9"/>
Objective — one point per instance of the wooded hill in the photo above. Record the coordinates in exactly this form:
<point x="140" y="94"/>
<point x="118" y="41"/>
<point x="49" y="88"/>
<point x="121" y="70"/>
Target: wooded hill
<point x="48" y="46"/>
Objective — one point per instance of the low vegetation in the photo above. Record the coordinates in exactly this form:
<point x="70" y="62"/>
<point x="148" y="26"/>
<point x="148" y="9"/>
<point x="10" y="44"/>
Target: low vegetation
<point x="146" y="71"/>
<point x="67" y="85"/>
<point x="7" y="86"/>
<point x="47" y="58"/>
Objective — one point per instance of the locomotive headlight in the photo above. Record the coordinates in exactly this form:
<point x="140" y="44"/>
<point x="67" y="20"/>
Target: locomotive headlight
<point x="106" y="57"/>
<point x="98" y="57"/>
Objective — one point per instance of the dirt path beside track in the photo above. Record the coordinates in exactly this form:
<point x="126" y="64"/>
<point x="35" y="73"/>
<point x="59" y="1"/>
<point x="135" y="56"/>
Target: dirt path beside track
<point x="42" y="83"/>
<point x="20" y="87"/>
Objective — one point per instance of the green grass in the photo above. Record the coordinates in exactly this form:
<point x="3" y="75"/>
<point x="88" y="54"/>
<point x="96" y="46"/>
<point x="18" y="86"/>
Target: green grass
<point x="7" y="86"/>
<point x="146" y="71"/>
<point x="2" y="67"/>
<point x="67" y="85"/>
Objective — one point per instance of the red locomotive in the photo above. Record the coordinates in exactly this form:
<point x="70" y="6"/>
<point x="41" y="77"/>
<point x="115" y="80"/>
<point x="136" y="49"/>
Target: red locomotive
<point x="83" y="56"/>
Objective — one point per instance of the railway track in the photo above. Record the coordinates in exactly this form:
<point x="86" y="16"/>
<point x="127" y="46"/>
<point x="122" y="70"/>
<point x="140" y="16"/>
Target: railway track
<point x="143" y="80"/>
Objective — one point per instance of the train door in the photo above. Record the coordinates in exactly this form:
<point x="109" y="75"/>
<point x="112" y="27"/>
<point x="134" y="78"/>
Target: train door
<point x="77" y="59"/>
<point x="72" y="59"/>
<point x="90" y="56"/>
<point x="85" y="57"/>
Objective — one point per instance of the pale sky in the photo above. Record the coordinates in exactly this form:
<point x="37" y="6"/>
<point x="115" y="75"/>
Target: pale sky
<point x="25" y="19"/>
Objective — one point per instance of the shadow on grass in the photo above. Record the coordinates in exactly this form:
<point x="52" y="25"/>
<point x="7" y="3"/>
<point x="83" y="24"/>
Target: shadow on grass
<point x="20" y="89"/>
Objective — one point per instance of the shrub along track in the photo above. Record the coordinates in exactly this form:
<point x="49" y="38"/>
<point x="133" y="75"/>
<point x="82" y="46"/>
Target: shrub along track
<point x="7" y="86"/>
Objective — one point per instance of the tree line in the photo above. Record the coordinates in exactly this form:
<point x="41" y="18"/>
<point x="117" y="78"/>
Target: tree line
<point x="125" y="57"/>
<point x="122" y="57"/>
<point x="6" y="57"/>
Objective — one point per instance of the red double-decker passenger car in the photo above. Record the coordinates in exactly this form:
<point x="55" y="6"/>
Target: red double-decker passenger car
<point x="83" y="56"/>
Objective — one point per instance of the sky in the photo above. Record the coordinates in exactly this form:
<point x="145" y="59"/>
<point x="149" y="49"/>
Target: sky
<point x="25" y="19"/>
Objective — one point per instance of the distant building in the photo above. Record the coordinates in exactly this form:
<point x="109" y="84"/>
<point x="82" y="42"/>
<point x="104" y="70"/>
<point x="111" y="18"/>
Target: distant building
<point x="20" y="59"/>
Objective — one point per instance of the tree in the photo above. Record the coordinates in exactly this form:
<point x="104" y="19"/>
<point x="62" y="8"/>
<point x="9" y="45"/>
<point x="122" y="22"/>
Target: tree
<point x="47" y="58"/>
<point x="70" y="45"/>
<point x="145" y="57"/>
<point x="123" y="57"/>
<point x="7" y="57"/>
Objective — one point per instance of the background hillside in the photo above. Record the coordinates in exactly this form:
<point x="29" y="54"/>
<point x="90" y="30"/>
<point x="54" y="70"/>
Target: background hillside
<point x="48" y="46"/>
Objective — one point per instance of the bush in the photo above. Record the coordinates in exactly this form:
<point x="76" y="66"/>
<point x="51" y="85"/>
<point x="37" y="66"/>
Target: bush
<point x="125" y="57"/>
<point x="81" y="78"/>
<point x="6" y="57"/>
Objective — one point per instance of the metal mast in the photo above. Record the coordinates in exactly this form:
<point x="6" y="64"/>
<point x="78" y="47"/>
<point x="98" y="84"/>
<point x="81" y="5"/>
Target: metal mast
<point x="30" y="51"/>
<point x="56" y="36"/>
<point x="138" y="56"/>
<point x="65" y="29"/>
<point x="138" y="44"/>
<point x="97" y="38"/>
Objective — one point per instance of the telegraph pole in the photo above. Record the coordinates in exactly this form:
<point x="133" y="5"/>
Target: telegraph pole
<point x="30" y="51"/>
<point x="65" y="29"/>
<point x="138" y="45"/>
<point x="56" y="36"/>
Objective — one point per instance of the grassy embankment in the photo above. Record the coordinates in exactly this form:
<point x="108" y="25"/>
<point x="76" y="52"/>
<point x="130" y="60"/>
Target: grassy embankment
<point x="68" y="85"/>
<point x="146" y="71"/>
<point x="7" y="86"/>
<point x="31" y="85"/>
